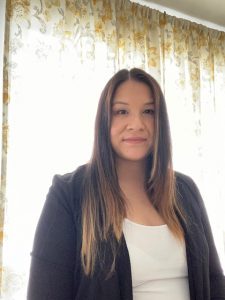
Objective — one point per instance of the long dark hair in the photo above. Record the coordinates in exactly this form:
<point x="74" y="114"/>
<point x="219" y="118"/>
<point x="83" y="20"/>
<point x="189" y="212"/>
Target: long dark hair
<point x="103" y="203"/>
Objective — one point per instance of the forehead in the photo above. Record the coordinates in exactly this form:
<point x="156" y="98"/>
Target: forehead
<point x="132" y="90"/>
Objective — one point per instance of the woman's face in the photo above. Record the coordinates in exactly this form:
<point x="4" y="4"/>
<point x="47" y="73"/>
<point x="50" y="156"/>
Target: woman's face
<point x="132" y="125"/>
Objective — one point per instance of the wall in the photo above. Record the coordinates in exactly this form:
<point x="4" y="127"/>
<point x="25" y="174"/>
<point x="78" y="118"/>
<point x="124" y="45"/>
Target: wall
<point x="178" y="14"/>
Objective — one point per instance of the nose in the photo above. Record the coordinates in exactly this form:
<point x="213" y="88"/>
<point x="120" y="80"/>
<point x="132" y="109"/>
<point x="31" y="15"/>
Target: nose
<point x="135" y="122"/>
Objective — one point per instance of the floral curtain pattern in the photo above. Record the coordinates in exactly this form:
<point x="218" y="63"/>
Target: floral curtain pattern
<point x="58" y="56"/>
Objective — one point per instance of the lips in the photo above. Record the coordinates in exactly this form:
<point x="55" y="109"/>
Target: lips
<point x="134" y="140"/>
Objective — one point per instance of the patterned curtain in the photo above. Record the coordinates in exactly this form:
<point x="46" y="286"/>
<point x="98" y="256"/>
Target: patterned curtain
<point x="58" y="55"/>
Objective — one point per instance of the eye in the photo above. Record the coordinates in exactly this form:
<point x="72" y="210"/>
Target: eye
<point x="121" y="112"/>
<point x="149" y="111"/>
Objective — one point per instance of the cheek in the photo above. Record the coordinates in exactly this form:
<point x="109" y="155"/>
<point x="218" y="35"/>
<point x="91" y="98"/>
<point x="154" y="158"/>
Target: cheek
<point x="113" y="137"/>
<point x="150" y="125"/>
<point x="113" y="131"/>
<point x="115" y="128"/>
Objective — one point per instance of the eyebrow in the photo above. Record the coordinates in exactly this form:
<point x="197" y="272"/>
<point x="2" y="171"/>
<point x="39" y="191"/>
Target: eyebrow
<point x="125" y="103"/>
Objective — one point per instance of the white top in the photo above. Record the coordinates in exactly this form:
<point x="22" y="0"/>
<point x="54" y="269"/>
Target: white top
<point x="158" y="262"/>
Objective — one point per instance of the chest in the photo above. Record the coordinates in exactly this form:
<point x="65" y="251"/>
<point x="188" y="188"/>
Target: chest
<point x="158" y="262"/>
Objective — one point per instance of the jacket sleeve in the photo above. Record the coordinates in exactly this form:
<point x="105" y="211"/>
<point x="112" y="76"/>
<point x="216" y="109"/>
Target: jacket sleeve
<point x="53" y="256"/>
<point x="217" y="279"/>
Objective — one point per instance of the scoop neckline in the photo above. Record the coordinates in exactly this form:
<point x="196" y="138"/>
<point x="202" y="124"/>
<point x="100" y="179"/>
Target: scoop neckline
<point x="145" y="226"/>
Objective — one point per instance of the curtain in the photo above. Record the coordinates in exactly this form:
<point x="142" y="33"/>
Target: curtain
<point x="58" y="55"/>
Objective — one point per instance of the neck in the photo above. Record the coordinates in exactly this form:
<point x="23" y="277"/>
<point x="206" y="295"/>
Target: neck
<point x="131" y="173"/>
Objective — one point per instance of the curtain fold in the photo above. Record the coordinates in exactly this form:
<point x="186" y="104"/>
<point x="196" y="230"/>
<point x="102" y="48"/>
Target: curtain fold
<point x="58" y="56"/>
<point x="4" y="130"/>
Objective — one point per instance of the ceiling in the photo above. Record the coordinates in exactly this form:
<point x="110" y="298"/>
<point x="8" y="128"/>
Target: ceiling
<point x="210" y="10"/>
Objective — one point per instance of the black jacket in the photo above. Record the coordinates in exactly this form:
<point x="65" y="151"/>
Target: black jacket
<point x="56" y="272"/>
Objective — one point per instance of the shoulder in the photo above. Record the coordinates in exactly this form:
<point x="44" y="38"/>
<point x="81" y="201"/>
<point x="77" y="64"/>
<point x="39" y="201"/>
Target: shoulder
<point x="73" y="179"/>
<point x="183" y="179"/>
<point x="185" y="183"/>
<point x="188" y="193"/>
<point x="67" y="189"/>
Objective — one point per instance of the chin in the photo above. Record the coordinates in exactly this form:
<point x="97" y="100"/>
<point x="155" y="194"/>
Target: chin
<point x="133" y="158"/>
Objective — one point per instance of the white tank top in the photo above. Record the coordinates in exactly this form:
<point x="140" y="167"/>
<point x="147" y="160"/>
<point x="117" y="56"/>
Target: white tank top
<point x="158" y="262"/>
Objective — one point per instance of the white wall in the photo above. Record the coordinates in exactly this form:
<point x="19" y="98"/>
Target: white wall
<point x="178" y="14"/>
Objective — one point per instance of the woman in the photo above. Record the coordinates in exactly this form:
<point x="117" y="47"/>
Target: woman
<point x="125" y="225"/>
